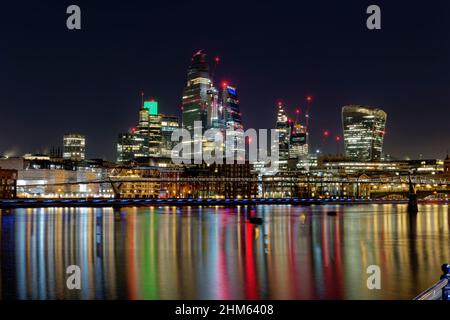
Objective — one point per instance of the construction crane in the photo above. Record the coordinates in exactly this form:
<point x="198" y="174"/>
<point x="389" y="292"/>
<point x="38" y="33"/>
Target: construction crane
<point x="308" y="109"/>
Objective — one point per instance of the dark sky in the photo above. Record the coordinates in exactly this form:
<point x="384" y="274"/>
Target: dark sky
<point x="53" y="80"/>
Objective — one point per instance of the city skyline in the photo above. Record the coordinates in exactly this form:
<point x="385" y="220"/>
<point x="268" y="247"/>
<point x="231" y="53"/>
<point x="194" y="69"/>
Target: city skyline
<point x="243" y="154"/>
<point x="99" y="97"/>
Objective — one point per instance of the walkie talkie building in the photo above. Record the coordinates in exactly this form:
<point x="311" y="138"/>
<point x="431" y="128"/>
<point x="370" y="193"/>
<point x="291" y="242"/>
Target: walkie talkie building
<point x="364" y="129"/>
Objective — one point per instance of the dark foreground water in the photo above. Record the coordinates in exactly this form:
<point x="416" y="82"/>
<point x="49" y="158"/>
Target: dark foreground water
<point x="213" y="253"/>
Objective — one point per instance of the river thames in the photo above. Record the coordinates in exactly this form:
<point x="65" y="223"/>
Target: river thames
<point x="214" y="253"/>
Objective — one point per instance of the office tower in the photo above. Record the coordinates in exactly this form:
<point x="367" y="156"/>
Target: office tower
<point x="74" y="147"/>
<point x="168" y="125"/>
<point x="125" y="148"/>
<point x="364" y="129"/>
<point x="214" y="109"/>
<point x="140" y="135"/>
<point x="230" y="104"/>
<point x="231" y="119"/>
<point x="283" y="127"/>
<point x="299" y="142"/>
<point x="214" y="121"/>
<point x="154" y="128"/>
<point x="150" y="139"/>
<point x="195" y="94"/>
<point x="131" y="146"/>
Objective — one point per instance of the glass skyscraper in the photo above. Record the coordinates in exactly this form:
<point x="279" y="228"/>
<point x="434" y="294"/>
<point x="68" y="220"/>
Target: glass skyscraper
<point x="151" y="137"/>
<point x="195" y="94"/>
<point x="230" y="104"/>
<point x="131" y="146"/>
<point x="364" y="129"/>
<point x="168" y="125"/>
<point x="283" y="128"/>
<point x="232" y="120"/>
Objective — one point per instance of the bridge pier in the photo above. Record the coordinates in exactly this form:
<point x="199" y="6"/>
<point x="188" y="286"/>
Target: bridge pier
<point x="412" y="198"/>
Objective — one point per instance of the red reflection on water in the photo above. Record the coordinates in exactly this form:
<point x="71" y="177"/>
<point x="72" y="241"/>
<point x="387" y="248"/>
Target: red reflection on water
<point x="251" y="286"/>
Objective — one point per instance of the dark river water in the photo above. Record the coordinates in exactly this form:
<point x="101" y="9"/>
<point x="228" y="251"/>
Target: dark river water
<point x="213" y="253"/>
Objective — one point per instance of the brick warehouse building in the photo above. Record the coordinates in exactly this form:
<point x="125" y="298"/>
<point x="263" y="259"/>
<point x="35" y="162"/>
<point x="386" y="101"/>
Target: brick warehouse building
<point x="8" y="183"/>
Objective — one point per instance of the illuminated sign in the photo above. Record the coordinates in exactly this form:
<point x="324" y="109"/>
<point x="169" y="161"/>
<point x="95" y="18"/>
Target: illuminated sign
<point x="152" y="107"/>
<point x="231" y="91"/>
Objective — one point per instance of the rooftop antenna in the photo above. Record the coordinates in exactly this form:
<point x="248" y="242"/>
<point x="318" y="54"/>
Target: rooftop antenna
<point x="142" y="100"/>
<point x="308" y="108"/>
<point x="298" y="114"/>
<point x="216" y="63"/>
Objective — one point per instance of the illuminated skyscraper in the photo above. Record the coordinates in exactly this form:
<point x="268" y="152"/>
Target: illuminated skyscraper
<point x="131" y="146"/>
<point x="231" y="119"/>
<point x="74" y="147"/>
<point x="298" y="142"/>
<point x="195" y="94"/>
<point x="230" y="105"/>
<point x="283" y="127"/>
<point x="168" y="125"/>
<point x="154" y="128"/>
<point x="214" y="109"/>
<point x="150" y="139"/>
<point x="364" y="129"/>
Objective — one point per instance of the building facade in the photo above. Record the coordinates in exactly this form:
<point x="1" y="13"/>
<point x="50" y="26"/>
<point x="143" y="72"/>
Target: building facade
<point x="8" y="183"/>
<point x="151" y="139"/>
<point x="154" y="128"/>
<point x="168" y="125"/>
<point x="74" y="147"/>
<point x="298" y="142"/>
<point x="283" y="127"/>
<point x="232" y="120"/>
<point x="364" y="129"/>
<point x="131" y="146"/>
<point x="221" y="181"/>
<point x="447" y="166"/>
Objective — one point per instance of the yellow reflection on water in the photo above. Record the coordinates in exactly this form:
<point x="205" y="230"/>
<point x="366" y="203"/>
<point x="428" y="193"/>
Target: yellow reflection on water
<point x="214" y="253"/>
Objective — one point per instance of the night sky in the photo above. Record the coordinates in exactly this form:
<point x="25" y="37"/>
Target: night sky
<point x="53" y="80"/>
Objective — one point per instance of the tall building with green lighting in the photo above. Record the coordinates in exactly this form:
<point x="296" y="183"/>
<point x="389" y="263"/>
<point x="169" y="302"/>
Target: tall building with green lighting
<point x="154" y="128"/>
<point x="144" y="141"/>
<point x="151" y="107"/>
